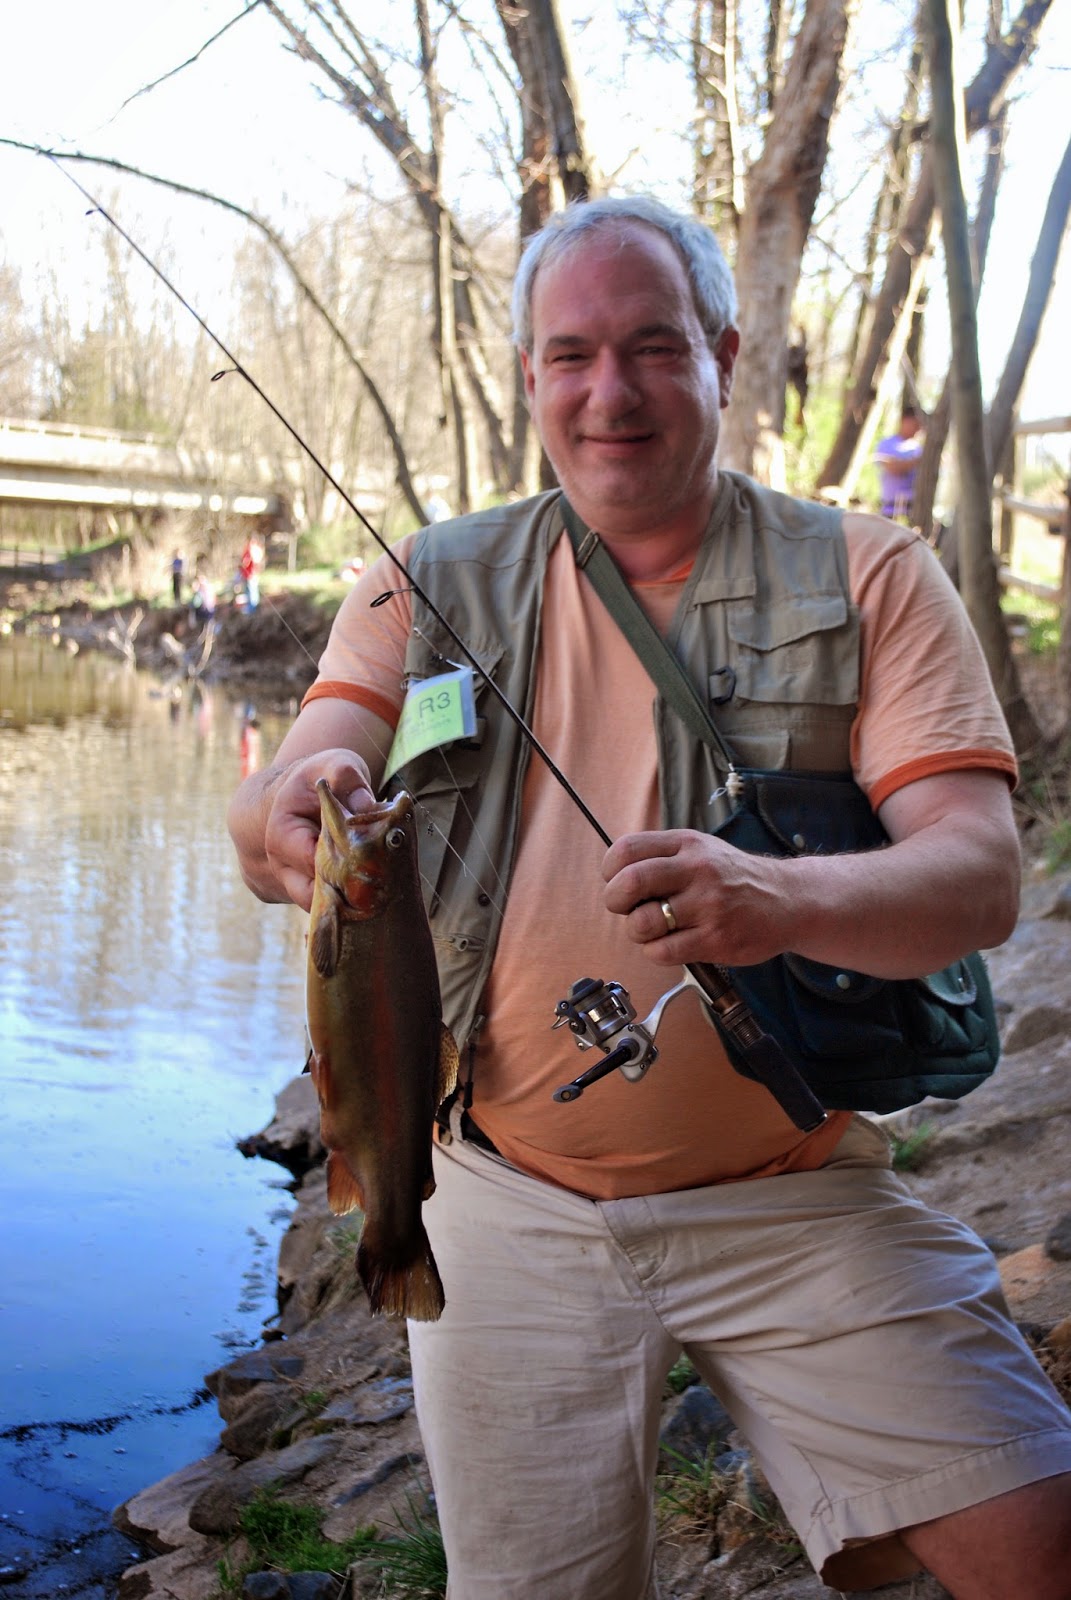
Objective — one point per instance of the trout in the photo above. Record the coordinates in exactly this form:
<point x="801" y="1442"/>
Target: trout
<point x="382" y="1058"/>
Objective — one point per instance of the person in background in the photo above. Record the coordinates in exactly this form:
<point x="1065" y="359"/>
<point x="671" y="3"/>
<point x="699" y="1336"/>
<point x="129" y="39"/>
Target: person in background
<point x="858" y="1339"/>
<point x="202" y="601"/>
<point x="250" y="567"/>
<point x="898" y="457"/>
<point x="178" y="567"/>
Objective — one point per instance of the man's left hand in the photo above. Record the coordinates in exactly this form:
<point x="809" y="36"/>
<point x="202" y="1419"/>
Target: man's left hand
<point x="727" y="906"/>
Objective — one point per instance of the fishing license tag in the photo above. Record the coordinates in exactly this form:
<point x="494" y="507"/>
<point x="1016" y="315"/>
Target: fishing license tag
<point x="436" y="711"/>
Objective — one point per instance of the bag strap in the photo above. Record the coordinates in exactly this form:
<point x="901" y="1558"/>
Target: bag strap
<point x="674" y="684"/>
<point x="765" y="1060"/>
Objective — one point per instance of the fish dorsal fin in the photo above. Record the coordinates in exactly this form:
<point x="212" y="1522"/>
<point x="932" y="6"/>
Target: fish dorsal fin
<point x="448" y="1064"/>
<point x="325" y="936"/>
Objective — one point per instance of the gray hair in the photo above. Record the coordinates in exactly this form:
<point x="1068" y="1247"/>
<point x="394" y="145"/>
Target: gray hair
<point x="713" y="290"/>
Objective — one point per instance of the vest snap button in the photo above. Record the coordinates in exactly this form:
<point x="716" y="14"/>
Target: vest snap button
<point x="483" y="899"/>
<point x="843" y="981"/>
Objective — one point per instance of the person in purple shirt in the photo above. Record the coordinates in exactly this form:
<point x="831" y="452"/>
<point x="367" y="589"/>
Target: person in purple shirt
<point x="898" y="457"/>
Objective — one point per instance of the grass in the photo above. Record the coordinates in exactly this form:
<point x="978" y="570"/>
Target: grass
<point x="689" y="1496"/>
<point x="412" y="1566"/>
<point x="909" y="1149"/>
<point x="286" y="1537"/>
<point x="696" y="1499"/>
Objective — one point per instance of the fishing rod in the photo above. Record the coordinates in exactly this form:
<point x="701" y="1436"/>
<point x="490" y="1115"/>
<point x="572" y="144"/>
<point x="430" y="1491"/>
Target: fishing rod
<point x="243" y="372"/>
<point x="599" y="1015"/>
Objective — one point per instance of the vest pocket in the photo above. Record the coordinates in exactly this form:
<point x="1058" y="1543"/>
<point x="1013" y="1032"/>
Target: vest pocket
<point x="800" y="653"/>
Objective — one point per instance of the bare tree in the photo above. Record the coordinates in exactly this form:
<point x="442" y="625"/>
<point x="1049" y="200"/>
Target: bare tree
<point x="978" y="567"/>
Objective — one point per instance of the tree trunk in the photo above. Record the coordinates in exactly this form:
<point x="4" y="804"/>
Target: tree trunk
<point x="939" y="420"/>
<point x="978" y="567"/>
<point x="781" y="194"/>
<point x="1001" y="416"/>
<point x="718" y="181"/>
<point x="561" y="98"/>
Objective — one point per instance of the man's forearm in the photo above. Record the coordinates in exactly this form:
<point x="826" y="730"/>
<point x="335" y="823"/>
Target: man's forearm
<point x="908" y="909"/>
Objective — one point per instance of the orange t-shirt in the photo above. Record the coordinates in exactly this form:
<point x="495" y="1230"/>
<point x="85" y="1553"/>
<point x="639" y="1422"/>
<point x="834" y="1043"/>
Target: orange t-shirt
<point x="926" y="706"/>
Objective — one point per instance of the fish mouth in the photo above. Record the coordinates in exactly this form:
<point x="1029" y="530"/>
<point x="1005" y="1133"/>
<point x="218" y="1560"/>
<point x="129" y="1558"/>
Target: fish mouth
<point x="343" y="826"/>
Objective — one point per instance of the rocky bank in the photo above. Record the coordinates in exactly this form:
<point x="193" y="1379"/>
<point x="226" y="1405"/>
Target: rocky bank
<point x="323" y="1409"/>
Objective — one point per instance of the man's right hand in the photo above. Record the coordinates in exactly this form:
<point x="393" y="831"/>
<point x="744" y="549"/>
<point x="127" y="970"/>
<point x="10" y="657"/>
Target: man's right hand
<point x="291" y="821"/>
<point x="274" y="817"/>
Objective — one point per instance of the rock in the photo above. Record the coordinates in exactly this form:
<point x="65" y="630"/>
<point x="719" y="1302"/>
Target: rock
<point x="159" y="1517"/>
<point x="230" y="1384"/>
<point x="1061" y="902"/>
<point x="1035" y="1026"/>
<point x="314" y="1586"/>
<point x="1038" y="1289"/>
<point x="1058" y="1243"/>
<point x="266" y="1412"/>
<point x="266" y="1586"/>
<point x="381" y="1400"/>
<point x="216" y="1508"/>
<point x="188" y="1574"/>
<point x="292" y="1138"/>
<point x="699" y="1425"/>
<point x="363" y="1486"/>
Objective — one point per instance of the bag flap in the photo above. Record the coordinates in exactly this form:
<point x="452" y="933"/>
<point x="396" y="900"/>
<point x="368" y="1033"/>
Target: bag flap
<point x="834" y="983"/>
<point x="954" y="985"/>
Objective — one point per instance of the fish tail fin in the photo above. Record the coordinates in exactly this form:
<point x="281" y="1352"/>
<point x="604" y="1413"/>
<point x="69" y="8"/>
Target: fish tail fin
<point x="410" y="1288"/>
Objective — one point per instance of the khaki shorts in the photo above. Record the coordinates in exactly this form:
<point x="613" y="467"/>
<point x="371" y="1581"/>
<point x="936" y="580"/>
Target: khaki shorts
<point x="859" y="1340"/>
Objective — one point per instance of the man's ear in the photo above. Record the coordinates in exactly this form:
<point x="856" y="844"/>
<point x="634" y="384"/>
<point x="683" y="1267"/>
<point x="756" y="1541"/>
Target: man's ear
<point x="725" y="355"/>
<point x="529" y="375"/>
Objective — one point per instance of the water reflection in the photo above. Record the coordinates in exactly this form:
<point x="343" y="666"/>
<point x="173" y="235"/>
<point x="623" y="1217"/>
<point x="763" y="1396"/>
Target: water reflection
<point x="149" y="1010"/>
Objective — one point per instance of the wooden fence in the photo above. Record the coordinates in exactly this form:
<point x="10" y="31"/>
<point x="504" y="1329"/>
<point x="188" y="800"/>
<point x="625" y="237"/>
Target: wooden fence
<point x="1056" y="518"/>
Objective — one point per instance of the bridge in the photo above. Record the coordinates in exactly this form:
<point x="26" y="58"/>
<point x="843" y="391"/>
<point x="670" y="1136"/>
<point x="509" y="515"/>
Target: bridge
<point x="63" y="464"/>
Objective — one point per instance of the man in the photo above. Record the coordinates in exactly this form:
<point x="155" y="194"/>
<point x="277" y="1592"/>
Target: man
<point x="858" y="1340"/>
<point x="898" y="457"/>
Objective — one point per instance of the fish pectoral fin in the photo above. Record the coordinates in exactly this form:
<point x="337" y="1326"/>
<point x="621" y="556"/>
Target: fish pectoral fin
<point x="343" y="1191"/>
<point x="448" y="1064"/>
<point x="325" y="937"/>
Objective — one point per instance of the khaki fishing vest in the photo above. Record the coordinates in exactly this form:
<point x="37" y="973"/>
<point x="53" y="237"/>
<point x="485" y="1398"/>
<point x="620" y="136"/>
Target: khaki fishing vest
<point x="765" y="622"/>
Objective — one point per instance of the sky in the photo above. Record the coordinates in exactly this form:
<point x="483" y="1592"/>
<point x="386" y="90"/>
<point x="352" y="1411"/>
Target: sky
<point x="246" y="121"/>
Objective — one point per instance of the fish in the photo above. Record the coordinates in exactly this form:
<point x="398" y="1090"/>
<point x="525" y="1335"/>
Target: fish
<point x="382" y="1059"/>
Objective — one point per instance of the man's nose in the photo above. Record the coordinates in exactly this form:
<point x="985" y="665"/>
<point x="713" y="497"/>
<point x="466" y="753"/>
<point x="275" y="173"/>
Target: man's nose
<point x="613" y="389"/>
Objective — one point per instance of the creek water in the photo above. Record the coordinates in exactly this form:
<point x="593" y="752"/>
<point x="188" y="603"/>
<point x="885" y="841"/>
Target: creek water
<point x="150" y="1009"/>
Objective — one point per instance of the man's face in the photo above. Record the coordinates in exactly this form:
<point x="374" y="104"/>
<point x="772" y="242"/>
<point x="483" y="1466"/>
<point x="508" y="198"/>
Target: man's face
<point x="623" y="386"/>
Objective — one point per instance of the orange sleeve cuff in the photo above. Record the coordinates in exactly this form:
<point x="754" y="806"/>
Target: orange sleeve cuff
<point x="943" y="761"/>
<point x="357" y="695"/>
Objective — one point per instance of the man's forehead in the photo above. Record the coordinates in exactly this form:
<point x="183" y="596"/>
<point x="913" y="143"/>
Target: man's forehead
<point x="629" y="269"/>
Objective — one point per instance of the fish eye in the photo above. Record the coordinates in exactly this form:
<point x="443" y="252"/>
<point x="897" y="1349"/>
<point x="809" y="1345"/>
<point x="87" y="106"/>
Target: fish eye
<point x="395" y="838"/>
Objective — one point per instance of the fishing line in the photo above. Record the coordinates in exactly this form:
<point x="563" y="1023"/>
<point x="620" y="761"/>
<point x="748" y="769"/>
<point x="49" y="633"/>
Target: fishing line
<point x="767" y="1062"/>
<point x="242" y="371"/>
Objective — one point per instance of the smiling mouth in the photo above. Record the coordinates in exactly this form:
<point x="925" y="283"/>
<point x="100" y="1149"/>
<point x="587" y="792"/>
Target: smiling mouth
<point x="617" y="439"/>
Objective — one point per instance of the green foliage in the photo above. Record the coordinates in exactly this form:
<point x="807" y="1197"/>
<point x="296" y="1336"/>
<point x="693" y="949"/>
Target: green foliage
<point x="286" y="1537"/>
<point x="1040" y="618"/>
<point x="909" y="1149"/>
<point x="413" y="1566"/>
<point x="681" y="1376"/>
<point x="328" y="547"/>
<point x="1058" y="846"/>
